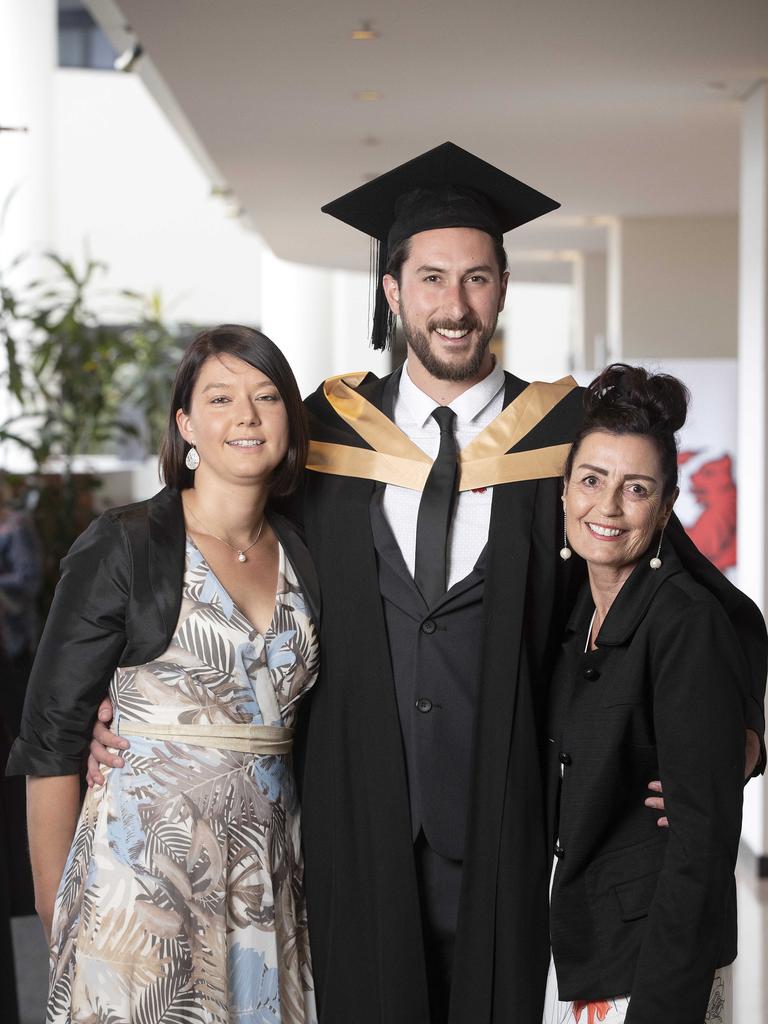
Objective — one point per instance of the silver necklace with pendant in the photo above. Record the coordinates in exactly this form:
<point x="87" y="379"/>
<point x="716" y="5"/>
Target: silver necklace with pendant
<point x="240" y="552"/>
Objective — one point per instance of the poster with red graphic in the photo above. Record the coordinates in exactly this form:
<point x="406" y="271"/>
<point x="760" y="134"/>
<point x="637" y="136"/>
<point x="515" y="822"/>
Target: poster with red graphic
<point x="707" y="460"/>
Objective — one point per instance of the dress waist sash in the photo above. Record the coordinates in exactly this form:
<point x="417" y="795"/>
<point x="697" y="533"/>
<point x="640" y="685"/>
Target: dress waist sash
<point x="250" y="739"/>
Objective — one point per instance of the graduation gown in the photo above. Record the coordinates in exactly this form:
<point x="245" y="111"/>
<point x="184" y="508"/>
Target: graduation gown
<point x="363" y="902"/>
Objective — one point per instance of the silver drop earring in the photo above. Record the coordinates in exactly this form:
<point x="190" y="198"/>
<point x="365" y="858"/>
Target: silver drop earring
<point x="655" y="562"/>
<point x="192" y="460"/>
<point x="565" y="551"/>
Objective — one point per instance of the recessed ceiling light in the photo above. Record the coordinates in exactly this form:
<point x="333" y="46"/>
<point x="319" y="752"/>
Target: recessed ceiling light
<point x="368" y="95"/>
<point x="365" y="33"/>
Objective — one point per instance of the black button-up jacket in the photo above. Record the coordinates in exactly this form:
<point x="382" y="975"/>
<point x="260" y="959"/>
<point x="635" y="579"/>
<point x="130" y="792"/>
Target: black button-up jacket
<point x="637" y="909"/>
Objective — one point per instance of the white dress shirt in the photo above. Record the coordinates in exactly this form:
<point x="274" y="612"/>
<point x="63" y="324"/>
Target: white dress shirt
<point x="474" y="409"/>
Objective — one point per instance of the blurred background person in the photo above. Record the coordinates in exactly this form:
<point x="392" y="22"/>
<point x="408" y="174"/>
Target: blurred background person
<point x="19" y="586"/>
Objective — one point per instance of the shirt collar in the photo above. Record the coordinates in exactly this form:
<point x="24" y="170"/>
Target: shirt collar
<point x="630" y="604"/>
<point x="467" y="406"/>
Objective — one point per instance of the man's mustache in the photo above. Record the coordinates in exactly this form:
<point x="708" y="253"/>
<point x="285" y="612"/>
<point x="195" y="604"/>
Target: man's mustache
<point x="467" y="323"/>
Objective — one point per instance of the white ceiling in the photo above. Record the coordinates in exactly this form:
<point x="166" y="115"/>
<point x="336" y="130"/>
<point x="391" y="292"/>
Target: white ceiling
<point x="614" y="107"/>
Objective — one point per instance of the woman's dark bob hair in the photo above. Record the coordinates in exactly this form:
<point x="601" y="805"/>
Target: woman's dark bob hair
<point x="258" y="351"/>
<point x="629" y="400"/>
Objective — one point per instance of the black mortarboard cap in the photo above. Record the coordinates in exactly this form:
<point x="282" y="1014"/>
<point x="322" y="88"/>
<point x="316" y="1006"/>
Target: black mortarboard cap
<point x="447" y="187"/>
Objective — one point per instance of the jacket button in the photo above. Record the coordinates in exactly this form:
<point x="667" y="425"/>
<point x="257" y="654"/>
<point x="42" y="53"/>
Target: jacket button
<point x="591" y="673"/>
<point x="566" y="759"/>
<point x="559" y="851"/>
<point x="428" y="627"/>
<point x="424" y="705"/>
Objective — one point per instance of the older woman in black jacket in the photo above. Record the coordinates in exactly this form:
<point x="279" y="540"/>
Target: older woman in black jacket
<point x="647" y="686"/>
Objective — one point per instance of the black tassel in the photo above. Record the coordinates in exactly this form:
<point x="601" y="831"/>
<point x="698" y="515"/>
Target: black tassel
<point x="383" y="320"/>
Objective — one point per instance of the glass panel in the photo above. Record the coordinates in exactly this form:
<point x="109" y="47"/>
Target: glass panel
<point x="82" y="44"/>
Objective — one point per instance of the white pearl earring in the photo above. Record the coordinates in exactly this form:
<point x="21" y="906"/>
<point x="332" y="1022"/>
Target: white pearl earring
<point x="565" y="551"/>
<point x="655" y="562"/>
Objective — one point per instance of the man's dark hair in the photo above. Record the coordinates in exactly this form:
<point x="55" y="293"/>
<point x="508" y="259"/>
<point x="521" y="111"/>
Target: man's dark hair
<point x="400" y="252"/>
<point x="258" y="351"/>
<point x="627" y="399"/>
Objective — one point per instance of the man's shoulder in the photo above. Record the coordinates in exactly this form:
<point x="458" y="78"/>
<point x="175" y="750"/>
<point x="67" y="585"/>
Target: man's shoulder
<point x="562" y="407"/>
<point x="323" y="405"/>
<point x="361" y="380"/>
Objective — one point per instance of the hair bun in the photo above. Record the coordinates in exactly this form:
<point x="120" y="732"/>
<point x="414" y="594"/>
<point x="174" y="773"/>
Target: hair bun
<point x="629" y="400"/>
<point x="621" y="390"/>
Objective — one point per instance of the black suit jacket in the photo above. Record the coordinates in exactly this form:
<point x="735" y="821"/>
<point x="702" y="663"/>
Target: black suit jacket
<point x="637" y="909"/>
<point x="117" y="604"/>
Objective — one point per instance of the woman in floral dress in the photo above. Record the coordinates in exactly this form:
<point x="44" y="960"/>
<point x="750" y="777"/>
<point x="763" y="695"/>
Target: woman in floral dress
<point x="178" y="894"/>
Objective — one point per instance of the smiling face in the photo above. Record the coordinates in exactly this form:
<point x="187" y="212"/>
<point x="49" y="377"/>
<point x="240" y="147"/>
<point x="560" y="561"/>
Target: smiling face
<point x="614" y="500"/>
<point x="237" y="420"/>
<point x="448" y="298"/>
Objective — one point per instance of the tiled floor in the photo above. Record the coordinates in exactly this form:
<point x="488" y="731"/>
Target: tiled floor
<point x="750" y="975"/>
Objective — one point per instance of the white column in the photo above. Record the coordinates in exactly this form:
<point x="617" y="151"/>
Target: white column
<point x="590" y="313"/>
<point x="297" y="314"/>
<point x="27" y="174"/>
<point x="753" y="399"/>
<point x="613" y="347"/>
<point x="319" y="318"/>
<point x="352" y="312"/>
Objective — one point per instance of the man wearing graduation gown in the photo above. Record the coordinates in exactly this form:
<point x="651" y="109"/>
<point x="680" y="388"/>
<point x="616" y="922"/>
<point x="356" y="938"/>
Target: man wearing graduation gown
<point x="426" y="853"/>
<point x="427" y="859"/>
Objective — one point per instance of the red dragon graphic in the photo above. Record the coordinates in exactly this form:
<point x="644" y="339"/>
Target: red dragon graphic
<point x="713" y="487"/>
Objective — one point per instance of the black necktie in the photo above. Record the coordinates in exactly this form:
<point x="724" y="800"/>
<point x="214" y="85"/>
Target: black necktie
<point x="435" y="508"/>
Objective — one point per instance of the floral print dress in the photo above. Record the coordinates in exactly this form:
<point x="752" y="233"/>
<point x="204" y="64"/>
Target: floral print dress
<point x="182" y="898"/>
<point x="614" y="1011"/>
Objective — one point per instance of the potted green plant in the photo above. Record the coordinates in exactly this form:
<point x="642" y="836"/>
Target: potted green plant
<point x="87" y="370"/>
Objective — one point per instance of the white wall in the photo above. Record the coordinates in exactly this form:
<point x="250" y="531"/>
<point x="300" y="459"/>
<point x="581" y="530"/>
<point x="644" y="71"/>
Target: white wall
<point x="27" y="55"/>
<point x="537" y="323"/>
<point x="129" y="191"/>
<point x="675" y="283"/>
<point x="593" y="306"/>
<point x="753" y="394"/>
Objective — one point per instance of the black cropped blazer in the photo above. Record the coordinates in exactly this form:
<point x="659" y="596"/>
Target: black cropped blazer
<point x="117" y="604"/>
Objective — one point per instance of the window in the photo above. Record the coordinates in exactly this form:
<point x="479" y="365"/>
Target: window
<point x="82" y="44"/>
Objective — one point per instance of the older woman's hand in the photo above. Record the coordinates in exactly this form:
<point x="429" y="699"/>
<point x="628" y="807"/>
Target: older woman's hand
<point x="752" y="755"/>
<point x="101" y="740"/>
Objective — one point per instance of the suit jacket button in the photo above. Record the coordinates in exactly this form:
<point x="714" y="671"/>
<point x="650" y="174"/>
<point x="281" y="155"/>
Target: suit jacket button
<point x="591" y="673"/>
<point x="424" y="705"/>
<point x="428" y="627"/>
<point x="559" y="851"/>
<point x="565" y="759"/>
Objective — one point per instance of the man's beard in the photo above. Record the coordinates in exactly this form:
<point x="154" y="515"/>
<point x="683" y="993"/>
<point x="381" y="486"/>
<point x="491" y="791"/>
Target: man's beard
<point x="418" y="342"/>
